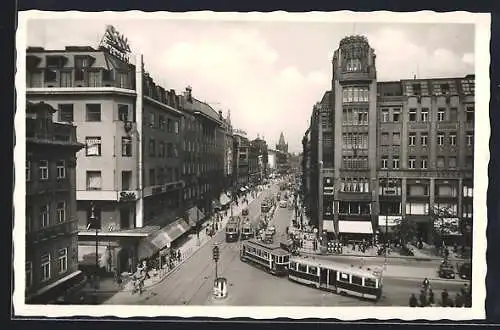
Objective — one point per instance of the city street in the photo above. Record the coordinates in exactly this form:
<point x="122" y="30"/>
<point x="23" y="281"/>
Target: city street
<point x="192" y="282"/>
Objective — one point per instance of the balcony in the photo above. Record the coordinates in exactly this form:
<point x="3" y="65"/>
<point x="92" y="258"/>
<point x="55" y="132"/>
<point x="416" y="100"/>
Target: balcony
<point x="37" y="187"/>
<point x="55" y="231"/>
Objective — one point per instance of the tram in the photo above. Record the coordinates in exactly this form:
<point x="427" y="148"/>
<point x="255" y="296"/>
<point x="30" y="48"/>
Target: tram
<point x="268" y="256"/>
<point x="339" y="278"/>
<point x="247" y="230"/>
<point x="233" y="230"/>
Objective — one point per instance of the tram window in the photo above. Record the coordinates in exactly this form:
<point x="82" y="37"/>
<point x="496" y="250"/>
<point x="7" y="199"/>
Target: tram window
<point x="302" y="268"/>
<point x="344" y="277"/>
<point x="293" y="265"/>
<point x="357" y="280"/>
<point x="370" y="282"/>
<point x="313" y="270"/>
<point x="285" y="259"/>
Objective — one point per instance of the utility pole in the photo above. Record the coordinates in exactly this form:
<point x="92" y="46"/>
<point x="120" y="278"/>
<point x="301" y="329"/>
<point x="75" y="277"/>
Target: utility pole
<point x="386" y="220"/>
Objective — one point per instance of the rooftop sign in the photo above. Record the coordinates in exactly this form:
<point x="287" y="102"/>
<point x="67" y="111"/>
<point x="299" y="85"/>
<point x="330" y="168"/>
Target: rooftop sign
<point x="116" y="43"/>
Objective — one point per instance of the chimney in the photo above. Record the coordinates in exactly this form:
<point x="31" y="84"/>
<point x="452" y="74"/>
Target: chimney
<point x="188" y="94"/>
<point x="220" y="115"/>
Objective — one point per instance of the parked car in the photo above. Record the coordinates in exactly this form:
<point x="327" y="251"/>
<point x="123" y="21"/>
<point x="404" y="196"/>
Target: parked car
<point x="244" y="212"/>
<point x="283" y="204"/>
<point x="446" y="270"/>
<point x="465" y="270"/>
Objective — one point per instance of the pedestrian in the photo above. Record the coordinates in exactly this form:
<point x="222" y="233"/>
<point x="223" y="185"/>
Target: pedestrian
<point x="179" y="255"/>
<point x="459" y="302"/>
<point x="431" y="298"/>
<point x="413" y="302"/>
<point x="444" y="298"/>
<point x="423" y="299"/>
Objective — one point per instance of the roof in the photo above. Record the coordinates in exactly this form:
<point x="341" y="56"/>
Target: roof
<point x="205" y="109"/>
<point x="363" y="271"/>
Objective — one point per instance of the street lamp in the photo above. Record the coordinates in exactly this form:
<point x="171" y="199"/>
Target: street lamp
<point x="386" y="221"/>
<point x="93" y="221"/>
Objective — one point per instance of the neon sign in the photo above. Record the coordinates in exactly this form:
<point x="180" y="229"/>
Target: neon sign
<point x="116" y="43"/>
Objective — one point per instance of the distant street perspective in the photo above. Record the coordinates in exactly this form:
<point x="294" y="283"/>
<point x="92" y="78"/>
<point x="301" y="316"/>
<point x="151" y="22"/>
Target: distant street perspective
<point x="138" y="194"/>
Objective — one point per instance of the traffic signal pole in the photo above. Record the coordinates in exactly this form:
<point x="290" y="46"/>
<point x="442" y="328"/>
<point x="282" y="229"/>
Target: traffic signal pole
<point x="215" y="252"/>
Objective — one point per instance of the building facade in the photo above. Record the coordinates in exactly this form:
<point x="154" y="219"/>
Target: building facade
<point x="51" y="221"/>
<point x="241" y="152"/>
<point x="403" y="151"/>
<point x="228" y="152"/>
<point x="128" y="176"/>
<point x="258" y="161"/>
<point x="282" y="155"/>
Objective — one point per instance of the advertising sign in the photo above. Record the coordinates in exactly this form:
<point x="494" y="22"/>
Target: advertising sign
<point x="116" y="43"/>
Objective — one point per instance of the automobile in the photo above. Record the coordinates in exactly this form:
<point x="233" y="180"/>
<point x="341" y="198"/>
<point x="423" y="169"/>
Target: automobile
<point x="465" y="270"/>
<point x="446" y="270"/>
<point x="283" y="204"/>
<point x="244" y="212"/>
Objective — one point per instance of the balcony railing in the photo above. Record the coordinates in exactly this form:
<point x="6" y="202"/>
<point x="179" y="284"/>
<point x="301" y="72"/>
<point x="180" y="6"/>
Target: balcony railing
<point x="66" y="228"/>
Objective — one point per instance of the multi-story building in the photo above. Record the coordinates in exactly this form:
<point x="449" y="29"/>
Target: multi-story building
<point x="271" y="160"/>
<point x="51" y="222"/>
<point x="258" y="161"/>
<point x="204" y="148"/>
<point x="241" y="160"/>
<point x="128" y="176"/>
<point x="282" y="155"/>
<point x="404" y="151"/>
<point x="228" y="154"/>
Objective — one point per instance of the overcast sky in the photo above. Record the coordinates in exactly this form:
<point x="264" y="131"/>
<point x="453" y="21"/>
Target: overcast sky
<point x="269" y="74"/>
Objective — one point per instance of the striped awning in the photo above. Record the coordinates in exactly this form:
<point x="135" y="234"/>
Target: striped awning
<point x="162" y="238"/>
<point x="194" y="215"/>
<point x="355" y="227"/>
<point x="328" y="226"/>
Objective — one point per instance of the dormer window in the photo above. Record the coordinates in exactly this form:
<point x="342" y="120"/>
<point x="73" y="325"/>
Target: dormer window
<point x="353" y="65"/>
<point x="417" y="89"/>
<point x="445" y="89"/>
<point x="55" y="61"/>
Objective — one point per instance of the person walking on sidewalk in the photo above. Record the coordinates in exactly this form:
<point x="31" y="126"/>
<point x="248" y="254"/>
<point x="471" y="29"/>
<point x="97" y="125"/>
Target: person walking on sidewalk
<point x="413" y="301"/>
<point x="179" y="255"/>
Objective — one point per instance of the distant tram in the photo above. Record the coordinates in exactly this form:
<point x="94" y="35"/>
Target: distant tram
<point x="268" y="256"/>
<point x="233" y="230"/>
<point x="247" y="230"/>
<point x="339" y="278"/>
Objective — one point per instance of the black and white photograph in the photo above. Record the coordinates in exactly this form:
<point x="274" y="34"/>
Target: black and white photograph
<point x="252" y="164"/>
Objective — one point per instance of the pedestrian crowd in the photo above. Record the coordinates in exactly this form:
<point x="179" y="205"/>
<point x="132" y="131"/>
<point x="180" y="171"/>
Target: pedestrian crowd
<point x="426" y="297"/>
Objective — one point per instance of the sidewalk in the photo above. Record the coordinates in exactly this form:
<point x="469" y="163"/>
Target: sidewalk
<point x="188" y="249"/>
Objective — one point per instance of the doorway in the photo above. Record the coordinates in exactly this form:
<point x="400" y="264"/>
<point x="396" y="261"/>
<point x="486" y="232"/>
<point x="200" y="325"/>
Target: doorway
<point x="124" y="218"/>
<point x="123" y="260"/>
<point x="323" y="275"/>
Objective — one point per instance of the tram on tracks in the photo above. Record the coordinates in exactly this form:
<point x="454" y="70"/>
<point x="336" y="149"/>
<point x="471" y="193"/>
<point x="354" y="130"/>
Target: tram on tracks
<point x="271" y="257"/>
<point x="247" y="230"/>
<point x="339" y="278"/>
<point x="233" y="229"/>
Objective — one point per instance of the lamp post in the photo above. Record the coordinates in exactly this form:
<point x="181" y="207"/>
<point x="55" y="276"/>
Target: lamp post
<point x="93" y="221"/>
<point x="386" y="221"/>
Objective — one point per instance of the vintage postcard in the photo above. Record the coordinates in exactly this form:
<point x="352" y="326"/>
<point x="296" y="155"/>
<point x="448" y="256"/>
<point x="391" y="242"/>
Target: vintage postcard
<point x="263" y="165"/>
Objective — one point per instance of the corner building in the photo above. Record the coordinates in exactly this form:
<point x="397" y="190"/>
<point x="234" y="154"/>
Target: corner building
<point x="403" y="151"/>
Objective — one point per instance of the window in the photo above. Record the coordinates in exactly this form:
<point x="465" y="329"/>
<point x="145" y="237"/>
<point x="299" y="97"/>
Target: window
<point x="469" y="162"/>
<point x="417" y="208"/>
<point x="469" y="114"/>
<point x="355" y="94"/>
<point x="61" y="211"/>
<point x="395" y="115"/>
<point x="356" y="280"/>
<point x="411" y="162"/>
<point x="161" y="152"/>
<point x="65" y="113"/>
<point x="370" y="282"/>
<point x="423" y="139"/>
<point x="440" y="114"/>
<point x="29" y="218"/>
<point x="94" y="181"/>
<point x="29" y="274"/>
<point x="424" y="115"/>
<point x="453" y="139"/>
<point x="122" y="79"/>
<point x="170" y="127"/>
<point x="45" y="267"/>
<point x="385" y="139"/>
<point x="28" y="170"/>
<point x="93" y="112"/>
<point x="417" y="89"/>
<point x="396" y="139"/>
<point x="423" y="163"/>
<point x="440" y="162"/>
<point x="395" y="162"/>
<point x="61" y="169"/>
<point x="123" y="112"/>
<point x="126" y="180"/>
<point x="126" y="146"/>
<point x="161" y="121"/>
<point x="385" y="115"/>
<point x="452" y="162"/>
<point x="93" y="146"/>
<point x="468" y="191"/>
<point x="412" y="115"/>
<point x="440" y="139"/>
<point x="453" y="114"/>
<point x="313" y="270"/>
<point x="50" y="75"/>
<point x="446" y="191"/>
<point x="385" y="162"/>
<point x="62" y="262"/>
<point x="469" y="139"/>
<point x="170" y="151"/>
<point x="412" y="137"/>
<point x="152" y="177"/>
<point x="302" y="268"/>
<point x="43" y="169"/>
<point x="176" y="127"/>
<point x="152" y="121"/>
<point x="45" y="215"/>
<point x="152" y="148"/>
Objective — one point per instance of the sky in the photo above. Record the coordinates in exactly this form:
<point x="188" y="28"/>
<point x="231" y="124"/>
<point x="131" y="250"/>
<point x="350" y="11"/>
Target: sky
<point x="267" y="74"/>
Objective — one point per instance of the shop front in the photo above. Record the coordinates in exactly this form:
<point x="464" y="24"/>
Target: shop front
<point x="355" y="230"/>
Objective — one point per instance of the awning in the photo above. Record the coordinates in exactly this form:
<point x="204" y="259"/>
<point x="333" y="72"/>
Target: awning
<point x="162" y="238"/>
<point x="216" y="204"/>
<point x="447" y="226"/>
<point x="355" y="227"/>
<point x="224" y="199"/>
<point x="194" y="215"/>
<point x="86" y="255"/>
<point x="328" y="226"/>
<point x="246" y="187"/>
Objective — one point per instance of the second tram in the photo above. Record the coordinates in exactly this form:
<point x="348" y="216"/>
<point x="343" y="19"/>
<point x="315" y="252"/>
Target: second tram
<point x="268" y="256"/>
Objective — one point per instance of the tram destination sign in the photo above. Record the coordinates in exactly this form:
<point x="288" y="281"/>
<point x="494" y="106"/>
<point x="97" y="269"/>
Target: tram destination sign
<point x="116" y="43"/>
